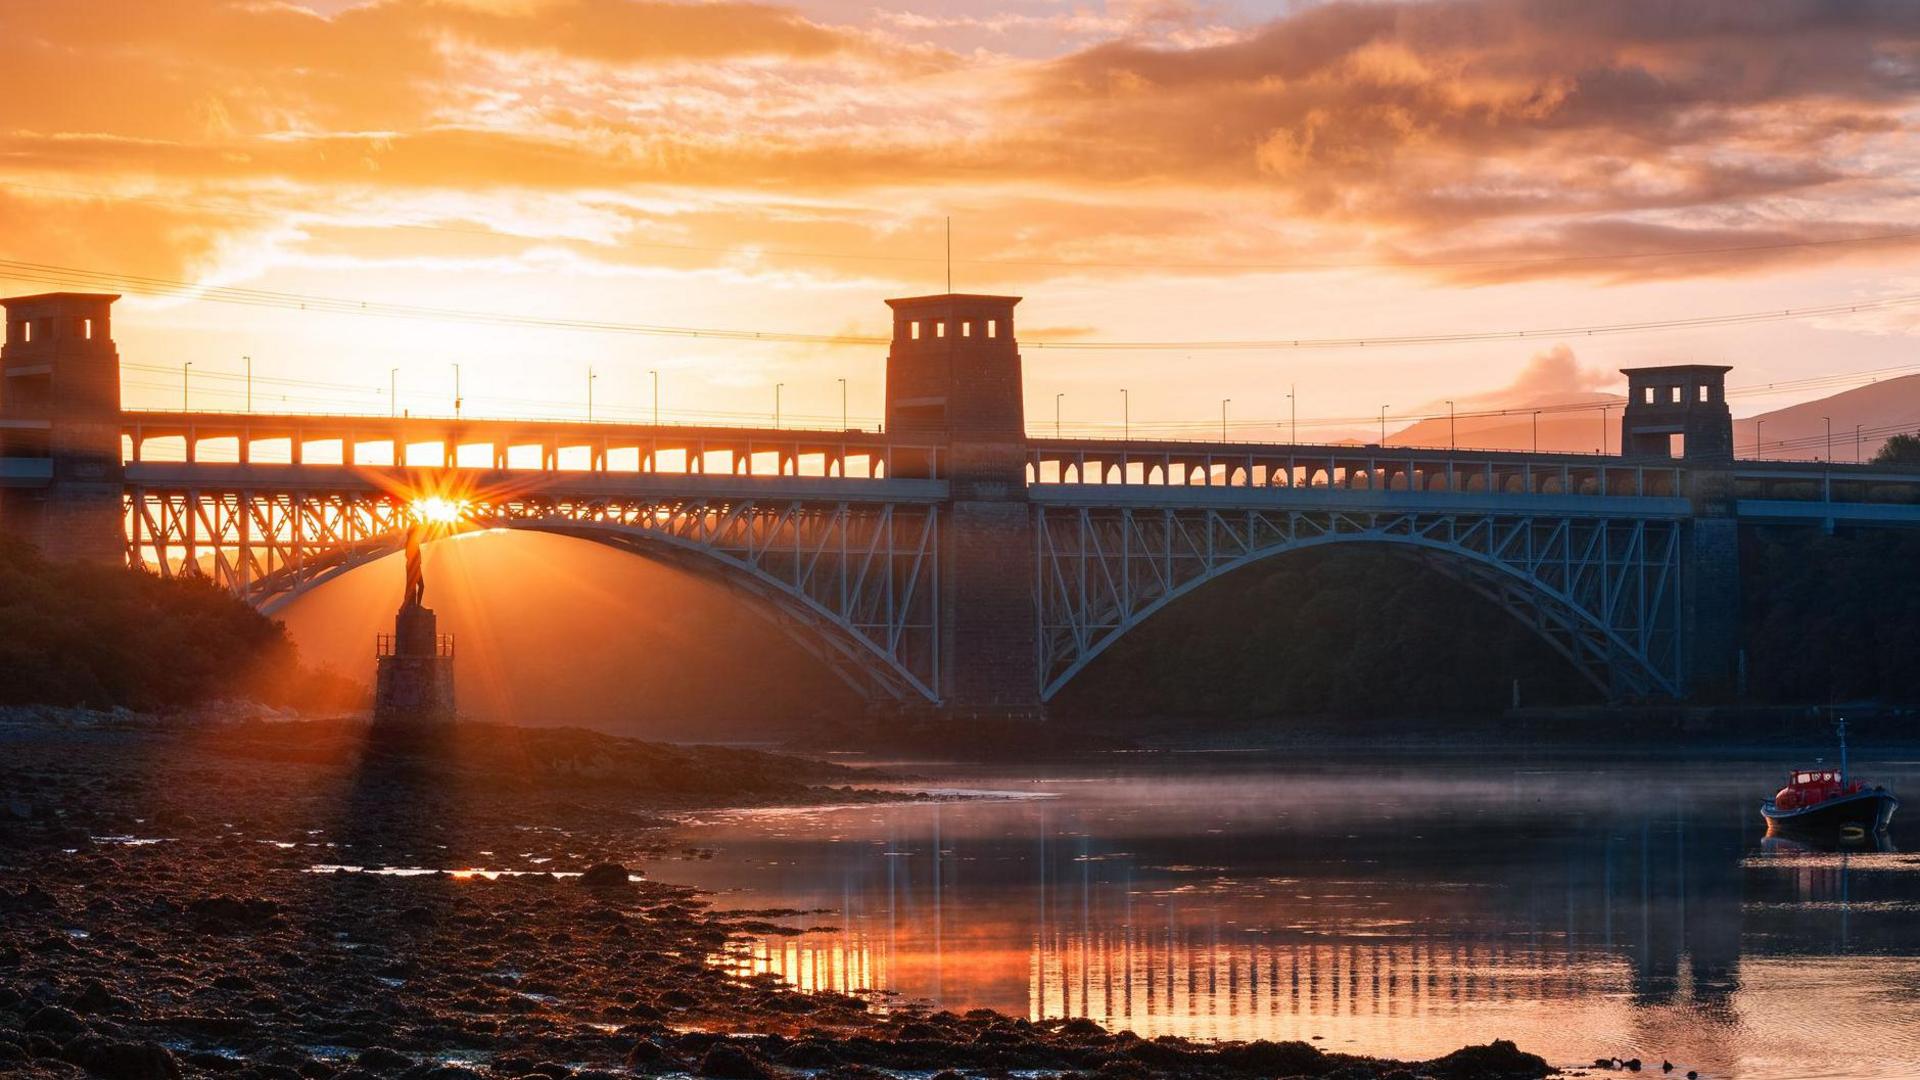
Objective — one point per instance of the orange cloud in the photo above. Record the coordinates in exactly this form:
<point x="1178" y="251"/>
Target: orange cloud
<point x="1476" y="140"/>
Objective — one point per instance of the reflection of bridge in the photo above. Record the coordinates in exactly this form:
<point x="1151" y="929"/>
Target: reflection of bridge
<point x="951" y="560"/>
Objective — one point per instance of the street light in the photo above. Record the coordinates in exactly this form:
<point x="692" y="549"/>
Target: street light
<point x="1603" y="429"/>
<point x="1536" y="431"/>
<point x="590" y="377"/>
<point x="777" y="387"/>
<point x="248" y="360"/>
<point x="1452" y="443"/>
<point x="1126" y="416"/>
<point x="393" y="392"/>
<point x="1224" y="402"/>
<point x="843" y="404"/>
<point x="656" y="397"/>
<point x="1826" y="482"/>
<point x="1293" y="417"/>
<point x="184" y="368"/>
<point x="1759" y="444"/>
<point x="456" y="389"/>
<point x="1856" y="444"/>
<point x="1383" y="425"/>
<point x="1056" y="414"/>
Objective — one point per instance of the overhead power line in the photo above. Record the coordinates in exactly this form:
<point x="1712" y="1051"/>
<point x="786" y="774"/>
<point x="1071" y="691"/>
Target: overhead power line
<point x="72" y="277"/>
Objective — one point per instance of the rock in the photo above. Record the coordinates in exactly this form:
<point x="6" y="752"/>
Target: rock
<point x="646" y="1053"/>
<point x="382" y="1059"/>
<point x="605" y="875"/>
<point x="1275" y="1059"/>
<point x="130" y="1061"/>
<point x="55" y="1020"/>
<point x="726" y="1061"/>
<point x="227" y="913"/>
<point x="1499" y="1058"/>
<point x="93" y="998"/>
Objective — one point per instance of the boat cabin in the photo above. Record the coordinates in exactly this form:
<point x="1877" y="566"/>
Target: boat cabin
<point x="1808" y="787"/>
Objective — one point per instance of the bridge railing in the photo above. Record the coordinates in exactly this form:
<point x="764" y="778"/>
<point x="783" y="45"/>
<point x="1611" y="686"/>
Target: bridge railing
<point x="1367" y="467"/>
<point x="526" y="444"/>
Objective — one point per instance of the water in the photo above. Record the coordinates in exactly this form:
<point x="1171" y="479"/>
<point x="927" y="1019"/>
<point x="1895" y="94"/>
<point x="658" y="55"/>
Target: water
<point x="1583" y="910"/>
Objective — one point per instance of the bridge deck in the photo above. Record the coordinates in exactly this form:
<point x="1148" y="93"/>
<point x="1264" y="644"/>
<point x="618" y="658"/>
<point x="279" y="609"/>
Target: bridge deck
<point x="711" y="461"/>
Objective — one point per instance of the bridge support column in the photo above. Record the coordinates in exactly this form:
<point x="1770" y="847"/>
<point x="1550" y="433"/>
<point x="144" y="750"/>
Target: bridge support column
<point x="60" y="427"/>
<point x="954" y="370"/>
<point x="1710" y="588"/>
<point x="1680" y="411"/>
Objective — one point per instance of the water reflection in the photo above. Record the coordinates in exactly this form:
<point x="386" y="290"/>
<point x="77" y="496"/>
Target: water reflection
<point x="1638" y="912"/>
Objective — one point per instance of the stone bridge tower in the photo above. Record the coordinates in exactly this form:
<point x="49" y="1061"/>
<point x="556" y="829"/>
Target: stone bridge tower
<point x="953" y="372"/>
<point x="1681" y="412"/>
<point x="60" y="403"/>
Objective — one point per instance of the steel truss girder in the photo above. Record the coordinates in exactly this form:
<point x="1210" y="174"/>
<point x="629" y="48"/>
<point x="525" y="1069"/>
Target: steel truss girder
<point x="1603" y="592"/>
<point x="855" y="583"/>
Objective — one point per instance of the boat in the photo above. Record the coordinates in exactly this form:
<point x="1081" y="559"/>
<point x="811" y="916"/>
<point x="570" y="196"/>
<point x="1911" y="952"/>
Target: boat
<point x="1823" y="800"/>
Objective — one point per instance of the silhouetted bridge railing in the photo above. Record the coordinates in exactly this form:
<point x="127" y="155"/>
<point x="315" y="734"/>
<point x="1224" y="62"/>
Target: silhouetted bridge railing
<point x="951" y="560"/>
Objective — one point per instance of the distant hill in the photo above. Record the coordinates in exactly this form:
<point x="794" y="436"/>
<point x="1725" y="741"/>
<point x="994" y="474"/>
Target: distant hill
<point x="1880" y="409"/>
<point x="1797" y="432"/>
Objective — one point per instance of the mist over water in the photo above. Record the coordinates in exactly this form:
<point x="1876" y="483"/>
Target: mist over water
<point x="556" y="630"/>
<point x="1582" y="910"/>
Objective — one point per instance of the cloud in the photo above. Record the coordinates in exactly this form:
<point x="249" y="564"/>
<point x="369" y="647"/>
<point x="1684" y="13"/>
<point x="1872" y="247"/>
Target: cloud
<point x="1553" y="376"/>
<point x="1476" y="141"/>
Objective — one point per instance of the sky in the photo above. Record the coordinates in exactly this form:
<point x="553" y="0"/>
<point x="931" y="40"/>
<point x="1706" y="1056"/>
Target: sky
<point x="1155" y="171"/>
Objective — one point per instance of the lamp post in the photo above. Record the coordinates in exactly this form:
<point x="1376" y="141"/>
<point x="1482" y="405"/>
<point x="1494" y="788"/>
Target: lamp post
<point x="1224" y="402"/>
<point x="248" y="360"/>
<point x="1856" y="444"/>
<point x="1603" y="429"/>
<point x="1759" y="444"/>
<point x="590" y="377"/>
<point x="843" y="404"/>
<point x="393" y="391"/>
<point x="1536" y="431"/>
<point x="1452" y="442"/>
<point x="1383" y="425"/>
<point x="1126" y="416"/>
<point x="456" y="390"/>
<point x="777" y="387"/>
<point x="1056" y="414"/>
<point x="1293" y="416"/>
<point x="1826" y="478"/>
<point x="184" y="370"/>
<point x="656" y="397"/>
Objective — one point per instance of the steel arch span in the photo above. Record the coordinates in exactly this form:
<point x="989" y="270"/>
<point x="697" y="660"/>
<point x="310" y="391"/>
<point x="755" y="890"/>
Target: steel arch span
<point x="1604" y="592"/>
<point x="854" y="583"/>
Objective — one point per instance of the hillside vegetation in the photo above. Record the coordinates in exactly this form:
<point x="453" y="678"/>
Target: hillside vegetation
<point x="104" y="636"/>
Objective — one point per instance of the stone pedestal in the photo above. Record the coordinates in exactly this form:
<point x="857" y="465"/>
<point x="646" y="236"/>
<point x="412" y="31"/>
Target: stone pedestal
<point x="414" y="683"/>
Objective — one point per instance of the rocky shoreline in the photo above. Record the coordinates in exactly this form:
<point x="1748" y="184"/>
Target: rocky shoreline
<point x="300" y="900"/>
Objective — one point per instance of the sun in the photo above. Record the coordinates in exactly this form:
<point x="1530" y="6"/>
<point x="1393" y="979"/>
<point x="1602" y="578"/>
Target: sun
<point x="438" y="510"/>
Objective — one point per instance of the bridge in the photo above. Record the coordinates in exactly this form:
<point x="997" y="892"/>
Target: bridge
<point x="949" y="560"/>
